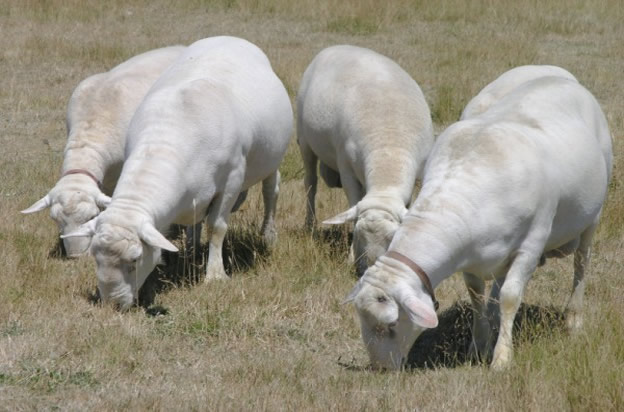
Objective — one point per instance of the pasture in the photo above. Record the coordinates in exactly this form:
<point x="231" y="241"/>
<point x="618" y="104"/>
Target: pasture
<point x="276" y="336"/>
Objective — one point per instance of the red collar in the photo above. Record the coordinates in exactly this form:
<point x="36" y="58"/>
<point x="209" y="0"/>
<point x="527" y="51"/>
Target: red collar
<point x="418" y="270"/>
<point x="84" y="172"/>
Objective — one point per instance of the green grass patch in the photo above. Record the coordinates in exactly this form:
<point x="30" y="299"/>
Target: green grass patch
<point x="356" y="26"/>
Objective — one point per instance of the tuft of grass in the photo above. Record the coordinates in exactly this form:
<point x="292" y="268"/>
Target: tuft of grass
<point x="445" y="108"/>
<point x="12" y="329"/>
<point x="356" y="26"/>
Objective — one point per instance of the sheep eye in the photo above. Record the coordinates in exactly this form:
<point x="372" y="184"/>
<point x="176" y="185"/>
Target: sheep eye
<point x="381" y="299"/>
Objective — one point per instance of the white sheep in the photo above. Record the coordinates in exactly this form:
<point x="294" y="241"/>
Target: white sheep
<point x="98" y="115"/>
<point x="501" y="191"/>
<point x="368" y="123"/>
<point x="217" y="122"/>
<point x="506" y="83"/>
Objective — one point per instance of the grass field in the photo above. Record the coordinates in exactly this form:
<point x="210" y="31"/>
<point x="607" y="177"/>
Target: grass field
<point x="276" y="337"/>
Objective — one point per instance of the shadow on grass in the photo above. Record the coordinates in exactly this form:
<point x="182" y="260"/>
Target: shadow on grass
<point x="337" y="237"/>
<point x="58" y="251"/>
<point x="242" y="250"/>
<point x="447" y="345"/>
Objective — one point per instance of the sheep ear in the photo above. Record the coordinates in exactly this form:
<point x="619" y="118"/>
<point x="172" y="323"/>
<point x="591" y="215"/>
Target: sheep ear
<point x="347" y="216"/>
<point x="420" y="312"/>
<point x="84" y="230"/>
<point x="39" y="205"/>
<point x="150" y="235"/>
<point x="102" y="201"/>
<point x="351" y="296"/>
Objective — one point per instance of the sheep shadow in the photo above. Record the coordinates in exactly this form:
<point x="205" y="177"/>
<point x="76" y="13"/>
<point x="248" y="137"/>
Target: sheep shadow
<point x="58" y="251"/>
<point x="337" y="237"/>
<point x="243" y="249"/>
<point x="447" y="345"/>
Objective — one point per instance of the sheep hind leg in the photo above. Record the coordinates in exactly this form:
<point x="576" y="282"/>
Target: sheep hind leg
<point x="330" y="176"/>
<point x="582" y="256"/>
<point x="270" y="192"/>
<point x="193" y="239"/>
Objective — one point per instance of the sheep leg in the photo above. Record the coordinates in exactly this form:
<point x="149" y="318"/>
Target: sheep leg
<point x="330" y="176"/>
<point x="239" y="201"/>
<point x="310" y="179"/>
<point x="193" y="232"/>
<point x="355" y="192"/>
<point x="481" y="328"/>
<point x="493" y="307"/>
<point x="511" y="294"/>
<point x="582" y="257"/>
<point x="193" y="239"/>
<point x="270" y="192"/>
<point x="217" y="222"/>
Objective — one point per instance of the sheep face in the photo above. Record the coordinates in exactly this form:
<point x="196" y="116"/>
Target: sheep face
<point x="69" y="211"/>
<point x="392" y="315"/>
<point x="121" y="264"/>
<point x="125" y="254"/>
<point x="372" y="235"/>
<point x="386" y="330"/>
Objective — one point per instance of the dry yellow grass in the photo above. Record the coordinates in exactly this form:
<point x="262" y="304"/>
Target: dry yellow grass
<point x="276" y="337"/>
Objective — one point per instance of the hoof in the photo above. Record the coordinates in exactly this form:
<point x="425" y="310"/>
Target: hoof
<point x="478" y="353"/>
<point x="215" y="275"/>
<point x="270" y="237"/>
<point x="574" y="322"/>
<point x="501" y="362"/>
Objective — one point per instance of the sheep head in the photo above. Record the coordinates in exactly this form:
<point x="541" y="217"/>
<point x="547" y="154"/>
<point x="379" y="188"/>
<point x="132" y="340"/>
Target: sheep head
<point x="70" y="210"/>
<point x="375" y="225"/>
<point x="392" y="315"/>
<point x="125" y="256"/>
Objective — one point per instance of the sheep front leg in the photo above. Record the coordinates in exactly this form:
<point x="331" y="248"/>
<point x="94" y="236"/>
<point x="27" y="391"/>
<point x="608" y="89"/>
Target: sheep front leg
<point x="355" y="192"/>
<point x="217" y="223"/>
<point x="270" y="192"/>
<point x="481" y="328"/>
<point x="511" y="294"/>
<point x="310" y="180"/>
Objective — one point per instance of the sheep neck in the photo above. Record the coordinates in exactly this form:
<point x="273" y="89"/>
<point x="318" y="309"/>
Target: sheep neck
<point x="424" y="278"/>
<point x="436" y="248"/>
<point x="84" y="172"/>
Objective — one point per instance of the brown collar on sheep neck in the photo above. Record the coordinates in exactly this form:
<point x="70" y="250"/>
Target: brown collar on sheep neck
<point x="424" y="278"/>
<point x="84" y="172"/>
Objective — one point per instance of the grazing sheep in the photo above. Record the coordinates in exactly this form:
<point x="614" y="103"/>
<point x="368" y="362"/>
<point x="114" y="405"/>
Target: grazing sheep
<point x="368" y="123"/>
<point x="217" y="122"/>
<point x="98" y="115"/>
<point x="507" y="82"/>
<point x="502" y="190"/>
